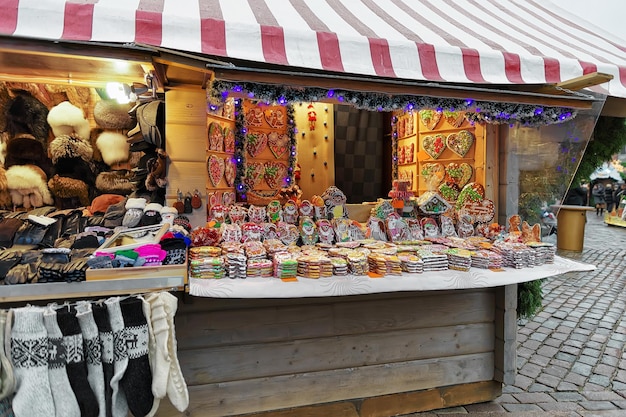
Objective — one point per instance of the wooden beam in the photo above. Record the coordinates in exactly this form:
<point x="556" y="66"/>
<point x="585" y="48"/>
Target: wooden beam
<point x="393" y="88"/>
<point x="575" y="84"/>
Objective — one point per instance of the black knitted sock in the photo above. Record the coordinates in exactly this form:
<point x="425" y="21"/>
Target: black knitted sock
<point x="101" y="316"/>
<point x="76" y="365"/>
<point x="137" y="380"/>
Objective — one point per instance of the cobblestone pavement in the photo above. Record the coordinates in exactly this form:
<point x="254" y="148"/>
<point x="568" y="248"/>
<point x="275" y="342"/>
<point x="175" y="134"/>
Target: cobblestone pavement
<point x="571" y="360"/>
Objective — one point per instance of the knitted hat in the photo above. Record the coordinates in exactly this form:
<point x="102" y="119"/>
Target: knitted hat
<point x="65" y="119"/>
<point x="101" y="203"/>
<point x="113" y="147"/>
<point x="109" y="114"/>
<point x="68" y="146"/>
<point x="184" y="222"/>
<point x="115" y="214"/>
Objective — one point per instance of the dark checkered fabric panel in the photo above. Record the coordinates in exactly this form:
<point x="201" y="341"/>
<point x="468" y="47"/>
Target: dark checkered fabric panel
<point x="358" y="153"/>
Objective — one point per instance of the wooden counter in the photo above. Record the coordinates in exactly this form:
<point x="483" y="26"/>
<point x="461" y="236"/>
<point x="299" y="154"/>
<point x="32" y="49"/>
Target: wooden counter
<point x="380" y="354"/>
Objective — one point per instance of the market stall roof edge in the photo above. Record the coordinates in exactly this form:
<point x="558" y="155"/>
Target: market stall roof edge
<point x="508" y="42"/>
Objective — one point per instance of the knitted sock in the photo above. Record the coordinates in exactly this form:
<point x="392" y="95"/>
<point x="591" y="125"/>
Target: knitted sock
<point x="119" y="406"/>
<point x="7" y="380"/>
<point x="176" y="386"/>
<point x="93" y="352"/>
<point x="134" y="211"/>
<point x="75" y="359"/>
<point x="29" y="355"/>
<point x="65" y="402"/>
<point x="138" y="377"/>
<point x="160" y="350"/>
<point x="147" y="311"/>
<point x="101" y="316"/>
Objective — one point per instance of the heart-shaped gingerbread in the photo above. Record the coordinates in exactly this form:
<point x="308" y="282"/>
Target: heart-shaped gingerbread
<point x="278" y="144"/>
<point x="471" y="192"/>
<point x="434" y="145"/>
<point x="454" y="118"/>
<point x="275" y="117"/>
<point x="275" y="173"/>
<point x="215" y="167"/>
<point x="459" y="174"/>
<point x="449" y="190"/>
<point x="433" y="174"/>
<point x="430" y="118"/>
<point x="254" y="117"/>
<point x="230" y="171"/>
<point x="460" y="142"/>
<point x="229" y="140"/>
<point x="256" y="142"/>
<point x="254" y="174"/>
<point x="216" y="137"/>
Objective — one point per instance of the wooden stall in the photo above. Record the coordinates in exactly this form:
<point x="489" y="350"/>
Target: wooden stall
<point x="342" y="347"/>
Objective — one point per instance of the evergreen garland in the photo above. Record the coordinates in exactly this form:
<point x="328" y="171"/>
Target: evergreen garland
<point x="529" y="298"/>
<point x="476" y="111"/>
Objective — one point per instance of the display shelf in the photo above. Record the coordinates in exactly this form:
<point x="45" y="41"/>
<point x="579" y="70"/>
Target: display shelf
<point x="217" y="118"/>
<point x="64" y="290"/>
<point x="354" y="285"/>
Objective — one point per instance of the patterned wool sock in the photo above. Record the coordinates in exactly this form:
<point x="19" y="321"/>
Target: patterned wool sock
<point x="119" y="406"/>
<point x="160" y="350"/>
<point x="176" y="386"/>
<point x="75" y="362"/>
<point x="65" y="402"/>
<point x="93" y="353"/>
<point x="101" y="316"/>
<point x="29" y="355"/>
<point x="7" y="380"/>
<point x="138" y="376"/>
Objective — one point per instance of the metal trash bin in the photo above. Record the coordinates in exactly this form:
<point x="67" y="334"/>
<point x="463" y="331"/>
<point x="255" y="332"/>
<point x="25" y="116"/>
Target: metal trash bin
<point x="571" y="220"/>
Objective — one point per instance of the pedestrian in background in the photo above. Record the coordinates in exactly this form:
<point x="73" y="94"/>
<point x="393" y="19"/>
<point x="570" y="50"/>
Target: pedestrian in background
<point x="577" y="196"/>
<point x="597" y="192"/>
<point x="608" y="197"/>
<point x="620" y="192"/>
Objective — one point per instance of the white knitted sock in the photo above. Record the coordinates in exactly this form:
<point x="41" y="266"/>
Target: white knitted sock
<point x="7" y="379"/>
<point x="161" y="357"/>
<point x="119" y="406"/>
<point x="176" y="386"/>
<point x="151" y="351"/>
<point x="93" y="353"/>
<point x="29" y="355"/>
<point x="65" y="402"/>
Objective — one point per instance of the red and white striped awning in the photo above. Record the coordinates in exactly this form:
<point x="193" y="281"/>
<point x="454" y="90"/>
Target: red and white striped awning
<point x="461" y="41"/>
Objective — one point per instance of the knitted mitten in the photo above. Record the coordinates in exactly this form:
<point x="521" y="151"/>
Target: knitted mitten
<point x="93" y="353"/>
<point x="101" y="316"/>
<point x="119" y="406"/>
<point x="29" y="355"/>
<point x="134" y="211"/>
<point x="138" y="376"/>
<point x="65" y="402"/>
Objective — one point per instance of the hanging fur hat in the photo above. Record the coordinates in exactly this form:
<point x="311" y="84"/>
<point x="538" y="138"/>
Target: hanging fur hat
<point x="26" y="114"/>
<point x="24" y="149"/>
<point x="28" y="186"/>
<point x="64" y="187"/>
<point x="70" y="146"/>
<point x="5" y="196"/>
<point x="113" y="147"/>
<point x="109" y="114"/>
<point x="65" y="119"/>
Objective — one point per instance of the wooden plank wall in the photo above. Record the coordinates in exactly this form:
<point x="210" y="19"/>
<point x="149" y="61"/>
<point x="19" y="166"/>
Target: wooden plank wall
<point x="185" y="134"/>
<point x="250" y="356"/>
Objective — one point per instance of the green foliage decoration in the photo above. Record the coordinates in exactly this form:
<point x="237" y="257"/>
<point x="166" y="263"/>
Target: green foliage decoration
<point x="529" y="298"/>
